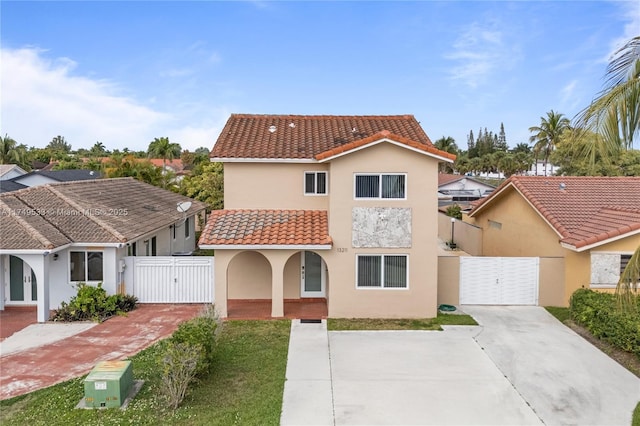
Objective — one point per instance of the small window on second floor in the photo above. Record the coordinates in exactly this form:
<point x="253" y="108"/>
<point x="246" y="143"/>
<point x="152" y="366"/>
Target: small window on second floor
<point x="381" y="185"/>
<point x="315" y="183"/>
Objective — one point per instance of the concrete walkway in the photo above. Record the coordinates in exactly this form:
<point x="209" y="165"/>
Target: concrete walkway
<point x="308" y="396"/>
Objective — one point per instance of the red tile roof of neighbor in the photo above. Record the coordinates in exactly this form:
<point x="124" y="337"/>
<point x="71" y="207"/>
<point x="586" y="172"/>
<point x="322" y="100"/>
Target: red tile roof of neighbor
<point x="306" y="136"/>
<point x="584" y="210"/>
<point x="266" y="227"/>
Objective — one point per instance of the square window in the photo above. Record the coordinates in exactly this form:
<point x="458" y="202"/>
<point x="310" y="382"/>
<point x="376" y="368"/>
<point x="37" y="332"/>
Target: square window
<point x="86" y="266"/>
<point x="315" y="183"/>
<point x="381" y="271"/>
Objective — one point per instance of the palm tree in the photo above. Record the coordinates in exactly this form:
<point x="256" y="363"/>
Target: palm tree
<point x="615" y="113"/>
<point x="446" y="144"/>
<point x="628" y="287"/>
<point x="548" y="134"/>
<point x="162" y="148"/>
<point x="10" y="151"/>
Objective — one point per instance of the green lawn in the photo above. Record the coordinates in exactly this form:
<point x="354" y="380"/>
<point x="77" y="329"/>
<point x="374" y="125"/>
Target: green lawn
<point x="244" y="387"/>
<point x="342" y="324"/>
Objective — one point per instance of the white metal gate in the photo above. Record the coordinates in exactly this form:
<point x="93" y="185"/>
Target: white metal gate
<point x="167" y="279"/>
<point x="499" y="280"/>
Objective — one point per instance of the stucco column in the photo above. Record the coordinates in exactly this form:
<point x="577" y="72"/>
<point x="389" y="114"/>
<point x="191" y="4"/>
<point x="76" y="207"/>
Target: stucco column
<point x="41" y="270"/>
<point x="277" y="259"/>
<point x="3" y="268"/>
<point x="221" y="264"/>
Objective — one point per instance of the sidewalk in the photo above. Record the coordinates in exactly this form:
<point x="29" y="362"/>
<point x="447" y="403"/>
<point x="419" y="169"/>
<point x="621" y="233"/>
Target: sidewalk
<point x="25" y="370"/>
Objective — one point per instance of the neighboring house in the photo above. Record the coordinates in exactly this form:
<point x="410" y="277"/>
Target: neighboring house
<point x="42" y="177"/>
<point x="540" y="168"/>
<point x="10" y="171"/>
<point x="54" y="236"/>
<point x="336" y="207"/>
<point x="462" y="188"/>
<point x="175" y="166"/>
<point x="591" y="223"/>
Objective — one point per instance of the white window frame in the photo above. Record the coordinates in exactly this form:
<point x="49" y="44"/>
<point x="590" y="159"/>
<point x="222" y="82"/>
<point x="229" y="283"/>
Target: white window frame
<point x="382" y="286"/>
<point x="315" y="183"/>
<point x="86" y="266"/>
<point x="380" y="175"/>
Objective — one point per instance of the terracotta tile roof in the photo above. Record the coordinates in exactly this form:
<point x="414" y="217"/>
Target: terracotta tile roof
<point x="584" y="210"/>
<point x="266" y="227"/>
<point x="92" y="211"/>
<point x="305" y="136"/>
<point x="378" y="136"/>
<point x="445" y="178"/>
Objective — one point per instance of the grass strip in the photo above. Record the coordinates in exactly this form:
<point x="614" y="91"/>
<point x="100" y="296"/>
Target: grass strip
<point x="346" y="324"/>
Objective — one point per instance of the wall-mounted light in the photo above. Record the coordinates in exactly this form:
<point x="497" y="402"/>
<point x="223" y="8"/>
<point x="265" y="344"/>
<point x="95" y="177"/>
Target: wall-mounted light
<point x="55" y="257"/>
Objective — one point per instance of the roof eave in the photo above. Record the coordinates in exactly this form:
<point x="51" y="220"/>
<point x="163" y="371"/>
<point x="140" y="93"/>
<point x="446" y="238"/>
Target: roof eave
<point x="387" y="140"/>
<point x="260" y="160"/>
<point x="599" y="243"/>
<point x="265" y="246"/>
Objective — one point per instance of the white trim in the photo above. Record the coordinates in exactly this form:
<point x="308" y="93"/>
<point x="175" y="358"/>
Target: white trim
<point x="382" y="287"/>
<point x="611" y="286"/>
<point x="380" y="174"/>
<point x="303" y="276"/>
<point x="263" y="247"/>
<point x="261" y="160"/>
<point x="391" y="141"/>
<point x="27" y="251"/>
<point x="599" y="243"/>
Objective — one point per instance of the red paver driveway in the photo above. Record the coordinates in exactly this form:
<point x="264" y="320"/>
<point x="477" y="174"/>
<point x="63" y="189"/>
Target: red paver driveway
<point x="114" y="339"/>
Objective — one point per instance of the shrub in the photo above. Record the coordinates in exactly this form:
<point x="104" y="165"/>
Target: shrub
<point x="178" y="366"/>
<point x="454" y="210"/>
<point x="92" y="303"/>
<point x="187" y="353"/>
<point x="597" y="312"/>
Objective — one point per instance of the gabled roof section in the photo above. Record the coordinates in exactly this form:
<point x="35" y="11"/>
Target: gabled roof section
<point x="302" y="137"/>
<point x="266" y="229"/>
<point x="446" y="178"/>
<point x="585" y="211"/>
<point x="384" y="136"/>
<point x="92" y="211"/>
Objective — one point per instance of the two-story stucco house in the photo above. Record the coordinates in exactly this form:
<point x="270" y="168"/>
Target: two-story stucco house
<point x="342" y="208"/>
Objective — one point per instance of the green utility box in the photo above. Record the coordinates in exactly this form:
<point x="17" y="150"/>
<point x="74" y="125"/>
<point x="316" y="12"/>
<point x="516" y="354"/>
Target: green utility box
<point x="108" y="384"/>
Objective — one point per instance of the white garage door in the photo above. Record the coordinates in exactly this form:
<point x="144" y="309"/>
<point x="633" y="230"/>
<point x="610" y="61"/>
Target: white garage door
<point x="499" y="280"/>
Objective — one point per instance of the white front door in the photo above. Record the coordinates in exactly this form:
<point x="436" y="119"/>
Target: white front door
<point x="313" y="275"/>
<point x="22" y="286"/>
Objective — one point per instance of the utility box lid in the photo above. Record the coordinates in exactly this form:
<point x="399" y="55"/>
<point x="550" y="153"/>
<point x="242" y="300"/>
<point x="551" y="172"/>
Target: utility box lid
<point x="108" y="384"/>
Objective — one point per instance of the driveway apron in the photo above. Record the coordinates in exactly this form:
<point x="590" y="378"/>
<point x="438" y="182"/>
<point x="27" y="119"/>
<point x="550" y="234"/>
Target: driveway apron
<point x="565" y="379"/>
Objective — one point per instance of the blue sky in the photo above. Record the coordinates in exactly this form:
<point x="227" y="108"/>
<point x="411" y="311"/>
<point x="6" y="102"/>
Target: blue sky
<point x="123" y="72"/>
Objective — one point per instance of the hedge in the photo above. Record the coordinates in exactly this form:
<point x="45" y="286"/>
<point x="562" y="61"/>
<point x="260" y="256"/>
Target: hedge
<point x="597" y="312"/>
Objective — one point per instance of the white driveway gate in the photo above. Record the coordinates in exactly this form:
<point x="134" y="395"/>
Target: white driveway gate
<point x="499" y="280"/>
<point x="167" y="279"/>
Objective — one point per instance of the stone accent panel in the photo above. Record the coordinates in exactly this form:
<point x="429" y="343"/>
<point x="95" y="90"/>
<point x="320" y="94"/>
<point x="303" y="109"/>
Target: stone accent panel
<point x="383" y="227"/>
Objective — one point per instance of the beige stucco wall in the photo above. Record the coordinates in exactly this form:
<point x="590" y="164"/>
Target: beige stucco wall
<point x="272" y="186"/>
<point x="468" y="237"/>
<point x="551" y="281"/>
<point x="449" y="280"/>
<point x="249" y="276"/>
<point x="420" y="299"/>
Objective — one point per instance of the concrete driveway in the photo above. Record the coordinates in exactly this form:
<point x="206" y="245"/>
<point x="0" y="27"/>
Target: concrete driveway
<point x="564" y="378"/>
<point x="519" y="367"/>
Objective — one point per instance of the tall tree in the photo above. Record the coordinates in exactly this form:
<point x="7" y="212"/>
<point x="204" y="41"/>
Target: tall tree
<point x="615" y="113"/>
<point x="447" y="144"/>
<point x="548" y="134"/>
<point x="163" y="148"/>
<point x="11" y="152"/>
<point x="58" y="144"/>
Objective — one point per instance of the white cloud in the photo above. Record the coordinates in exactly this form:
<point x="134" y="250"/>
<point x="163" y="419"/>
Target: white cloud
<point x="568" y="96"/>
<point x="42" y="98"/>
<point x="630" y="11"/>
<point x="479" y="52"/>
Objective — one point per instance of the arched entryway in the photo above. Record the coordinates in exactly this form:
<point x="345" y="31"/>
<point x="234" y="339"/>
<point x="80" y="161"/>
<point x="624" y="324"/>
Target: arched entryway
<point x="21" y="287"/>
